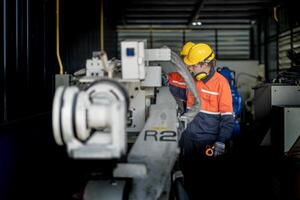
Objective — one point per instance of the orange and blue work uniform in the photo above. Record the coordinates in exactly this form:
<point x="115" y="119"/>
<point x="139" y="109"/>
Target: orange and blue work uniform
<point x="215" y="121"/>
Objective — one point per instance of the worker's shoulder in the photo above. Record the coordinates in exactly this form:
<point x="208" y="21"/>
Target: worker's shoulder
<point x="220" y="78"/>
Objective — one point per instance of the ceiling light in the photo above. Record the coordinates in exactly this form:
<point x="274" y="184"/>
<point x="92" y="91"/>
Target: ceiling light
<point x="196" y="23"/>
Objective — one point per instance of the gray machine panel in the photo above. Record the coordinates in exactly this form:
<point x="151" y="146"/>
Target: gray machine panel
<point x="270" y="95"/>
<point x="291" y="126"/>
<point x="285" y="128"/>
<point x="62" y="80"/>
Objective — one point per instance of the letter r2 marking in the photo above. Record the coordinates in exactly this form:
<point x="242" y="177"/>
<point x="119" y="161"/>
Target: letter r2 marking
<point x="150" y="133"/>
<point x="164" y="136"/>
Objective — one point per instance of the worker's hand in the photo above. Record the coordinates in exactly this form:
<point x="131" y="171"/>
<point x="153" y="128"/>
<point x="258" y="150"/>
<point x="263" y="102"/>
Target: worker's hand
<point x="218" y="148"/>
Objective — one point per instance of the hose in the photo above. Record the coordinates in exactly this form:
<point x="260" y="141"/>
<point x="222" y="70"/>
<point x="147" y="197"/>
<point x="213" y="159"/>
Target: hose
<point x="181" y="68"/>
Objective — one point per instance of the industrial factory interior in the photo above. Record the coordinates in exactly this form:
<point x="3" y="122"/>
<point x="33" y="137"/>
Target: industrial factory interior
<point x="149" y="99"/>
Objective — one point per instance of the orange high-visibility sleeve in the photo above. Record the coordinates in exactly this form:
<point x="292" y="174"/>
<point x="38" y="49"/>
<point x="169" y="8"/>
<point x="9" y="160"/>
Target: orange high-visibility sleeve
<point x="176" y="80"/>
<point x="225" y="99"/>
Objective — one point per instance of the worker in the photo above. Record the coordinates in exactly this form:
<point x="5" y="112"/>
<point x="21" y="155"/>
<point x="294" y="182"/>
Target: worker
<point x="213" y="124"/>
<point x="177" y="84"/>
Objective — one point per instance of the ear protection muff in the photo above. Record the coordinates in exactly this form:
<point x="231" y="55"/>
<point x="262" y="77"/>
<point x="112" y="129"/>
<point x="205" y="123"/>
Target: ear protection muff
<point x="200" y="76"/>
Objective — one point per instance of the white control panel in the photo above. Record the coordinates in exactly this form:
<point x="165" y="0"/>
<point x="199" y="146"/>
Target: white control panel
<point x="133" y="60"/>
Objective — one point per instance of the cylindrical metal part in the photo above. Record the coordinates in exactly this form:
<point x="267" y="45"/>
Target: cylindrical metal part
<point x="99" y="116"/>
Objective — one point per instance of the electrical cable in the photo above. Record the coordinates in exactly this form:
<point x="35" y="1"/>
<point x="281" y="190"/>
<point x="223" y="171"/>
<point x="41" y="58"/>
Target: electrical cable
<point x="61" y="68"/>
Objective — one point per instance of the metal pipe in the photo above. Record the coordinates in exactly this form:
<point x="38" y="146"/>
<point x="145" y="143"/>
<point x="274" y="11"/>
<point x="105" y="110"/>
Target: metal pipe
<point x="4" y="60"/>
<point x="27" y="45"/>
<point x="101" y="28"/>
<point x="61" y="68"/>
<point x="17" y="35"/>
<point x="44" y="46"/>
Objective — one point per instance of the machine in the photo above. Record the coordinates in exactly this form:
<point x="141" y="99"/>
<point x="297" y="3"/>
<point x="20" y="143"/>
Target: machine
<point x="285" y="130"/>
<point x="267" y="97"/>
<point x="274" y="94"/>
<point x="110" y="104"/>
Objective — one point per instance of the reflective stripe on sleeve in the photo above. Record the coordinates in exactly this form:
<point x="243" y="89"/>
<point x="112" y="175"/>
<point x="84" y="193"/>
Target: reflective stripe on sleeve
<point x="210" y="92"/>
<point x="177" y="82"/>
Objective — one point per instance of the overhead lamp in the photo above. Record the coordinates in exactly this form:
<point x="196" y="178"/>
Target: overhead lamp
<point x="196" y="23"/>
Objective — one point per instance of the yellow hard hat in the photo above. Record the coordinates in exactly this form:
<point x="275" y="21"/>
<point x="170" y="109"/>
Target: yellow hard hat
<point x="186" y="48"/>
<point x="199" y="53"/>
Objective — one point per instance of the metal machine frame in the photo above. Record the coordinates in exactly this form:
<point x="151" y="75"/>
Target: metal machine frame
<point x="93" y="116"/>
